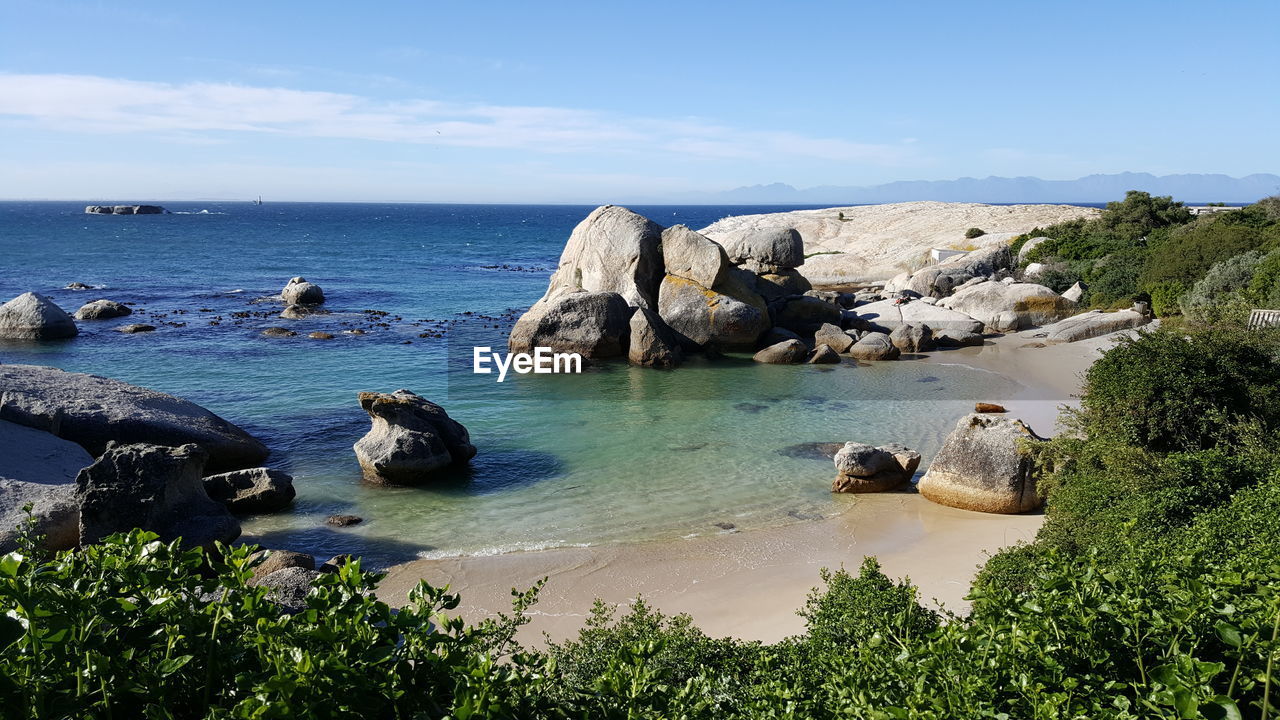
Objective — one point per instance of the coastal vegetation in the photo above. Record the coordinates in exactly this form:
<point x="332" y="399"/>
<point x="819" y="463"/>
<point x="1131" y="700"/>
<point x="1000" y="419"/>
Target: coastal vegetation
<point x="1152" y="591"/>
<point x="1154" y="249"/>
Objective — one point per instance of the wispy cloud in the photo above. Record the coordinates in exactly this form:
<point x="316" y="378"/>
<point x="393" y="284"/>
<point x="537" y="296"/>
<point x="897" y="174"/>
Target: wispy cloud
<point x="100" y="105"/>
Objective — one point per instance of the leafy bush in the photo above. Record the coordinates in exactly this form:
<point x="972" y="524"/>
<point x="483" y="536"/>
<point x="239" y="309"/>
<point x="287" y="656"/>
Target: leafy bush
<point x="1165" y="297"/>
<point x="1264" y="286"/>
<point x="1187" y="253"/>
<point x="974" y="232"/>
<point x="134" y="628"/>
<point x="1223" y="288"/>
<point x="1168" y="392"/>
<point x="1058" y="276"/>
<point x="852" y="610"/>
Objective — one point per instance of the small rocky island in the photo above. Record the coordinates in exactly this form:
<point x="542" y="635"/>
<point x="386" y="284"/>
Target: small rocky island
<point x="125" y="210"/>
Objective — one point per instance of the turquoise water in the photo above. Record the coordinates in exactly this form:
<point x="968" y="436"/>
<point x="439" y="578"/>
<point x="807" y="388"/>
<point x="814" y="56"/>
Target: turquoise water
<point x="617" y="454"/>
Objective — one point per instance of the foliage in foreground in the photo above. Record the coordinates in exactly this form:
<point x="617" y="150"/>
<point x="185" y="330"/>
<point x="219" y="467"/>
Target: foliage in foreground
<point x="135" y="628"/>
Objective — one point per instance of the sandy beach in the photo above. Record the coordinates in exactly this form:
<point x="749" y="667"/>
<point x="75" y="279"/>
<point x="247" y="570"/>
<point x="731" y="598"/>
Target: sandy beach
<point x="749" y="584"/>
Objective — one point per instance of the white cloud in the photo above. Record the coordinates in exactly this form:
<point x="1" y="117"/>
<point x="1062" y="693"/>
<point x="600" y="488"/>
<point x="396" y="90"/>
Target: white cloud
<point x="99" y="105"/>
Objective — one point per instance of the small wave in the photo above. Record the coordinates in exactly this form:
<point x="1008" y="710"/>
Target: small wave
<point x="500" y="549"/>
<point x="199" y="212"/>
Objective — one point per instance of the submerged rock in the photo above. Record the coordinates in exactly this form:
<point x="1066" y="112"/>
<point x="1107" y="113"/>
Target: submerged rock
<point x="411" y="438"/>
<point x="133" y="328"/>
<point x="592" y="324"/>
<point x="343" y="520"/>
<point x="155" y="488"/>
<point x="251" y="491"/>
<point x="983" y="467"/>
<point x="92" y="411"/>
<point x="102" y="310"/>
<point x="35" y="317"/>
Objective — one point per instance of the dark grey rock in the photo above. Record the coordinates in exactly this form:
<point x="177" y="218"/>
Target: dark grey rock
<point x="154" y="488"/>
<point x="91" y="411"/>
<point x="251" y="491"/>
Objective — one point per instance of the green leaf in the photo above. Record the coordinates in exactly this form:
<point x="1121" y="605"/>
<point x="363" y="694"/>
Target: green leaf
<point x="1228" y="633"/>
<point x="172" y="665"/>
<point x="10" y="563"/>
<point x="1220" y="707"/>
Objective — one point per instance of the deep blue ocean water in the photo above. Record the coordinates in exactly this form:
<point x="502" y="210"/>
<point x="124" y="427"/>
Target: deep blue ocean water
<point x="617" y="454"/>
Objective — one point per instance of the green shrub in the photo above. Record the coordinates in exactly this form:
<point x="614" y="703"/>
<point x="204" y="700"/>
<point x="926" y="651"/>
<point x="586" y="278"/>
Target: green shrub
<point x="1187" y="253"/>
<point x="134" y="628"/>
<point x="1015" y="245"/>
<point x="1058" y="276"/>
<point x="1222" y="290"/>
<point x="1165" y="297"/>
<point x="1168" y="392"/>
<point x="851" y="610"/>
<point x="974" y="232"/>
<point x="1264" y="286"/>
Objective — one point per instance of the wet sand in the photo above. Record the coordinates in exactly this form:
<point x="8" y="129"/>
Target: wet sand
<point x="749" y="584"/>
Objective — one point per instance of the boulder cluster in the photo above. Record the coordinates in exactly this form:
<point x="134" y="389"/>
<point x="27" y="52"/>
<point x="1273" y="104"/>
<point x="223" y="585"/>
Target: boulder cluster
<point x="628" y="287"/>
<point x="986" y="465"/>
<point x="94" y="456"/>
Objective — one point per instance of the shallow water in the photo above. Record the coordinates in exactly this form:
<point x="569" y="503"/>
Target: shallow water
<point x="616" y="454"/>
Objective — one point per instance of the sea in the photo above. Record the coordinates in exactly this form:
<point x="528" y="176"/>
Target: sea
<point x="616" y="454"/>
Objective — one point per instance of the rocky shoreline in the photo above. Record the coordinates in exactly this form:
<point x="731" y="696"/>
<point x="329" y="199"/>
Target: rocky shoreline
<point x="117" y="456"/>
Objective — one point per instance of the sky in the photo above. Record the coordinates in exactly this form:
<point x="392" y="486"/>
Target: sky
<point x="599" y="102"/>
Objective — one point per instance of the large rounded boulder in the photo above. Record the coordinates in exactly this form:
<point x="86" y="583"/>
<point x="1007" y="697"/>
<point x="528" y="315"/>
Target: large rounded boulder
<point x="653" y="344"/>
<point x="861" y="468"/>
<point x="689" y="255"/>
<point x="592" y="324"/>
<point x="411" y="439"/>
<point x="93" y="411"/>
<point x="984" y="466"/>
<point x="766" y="250"/>
<point x="300" y="292"/>
<point x="613" y="250"/>
<point x="35" y="317"/>
<point x="1002" y="307"/>
<point x="728" y="316"/>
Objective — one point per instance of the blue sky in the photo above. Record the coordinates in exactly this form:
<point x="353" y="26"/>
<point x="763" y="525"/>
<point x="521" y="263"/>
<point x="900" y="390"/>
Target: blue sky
<point x="605" y="102"/>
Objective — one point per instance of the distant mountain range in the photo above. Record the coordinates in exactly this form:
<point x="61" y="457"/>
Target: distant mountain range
<point x="1191" y="189"/>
